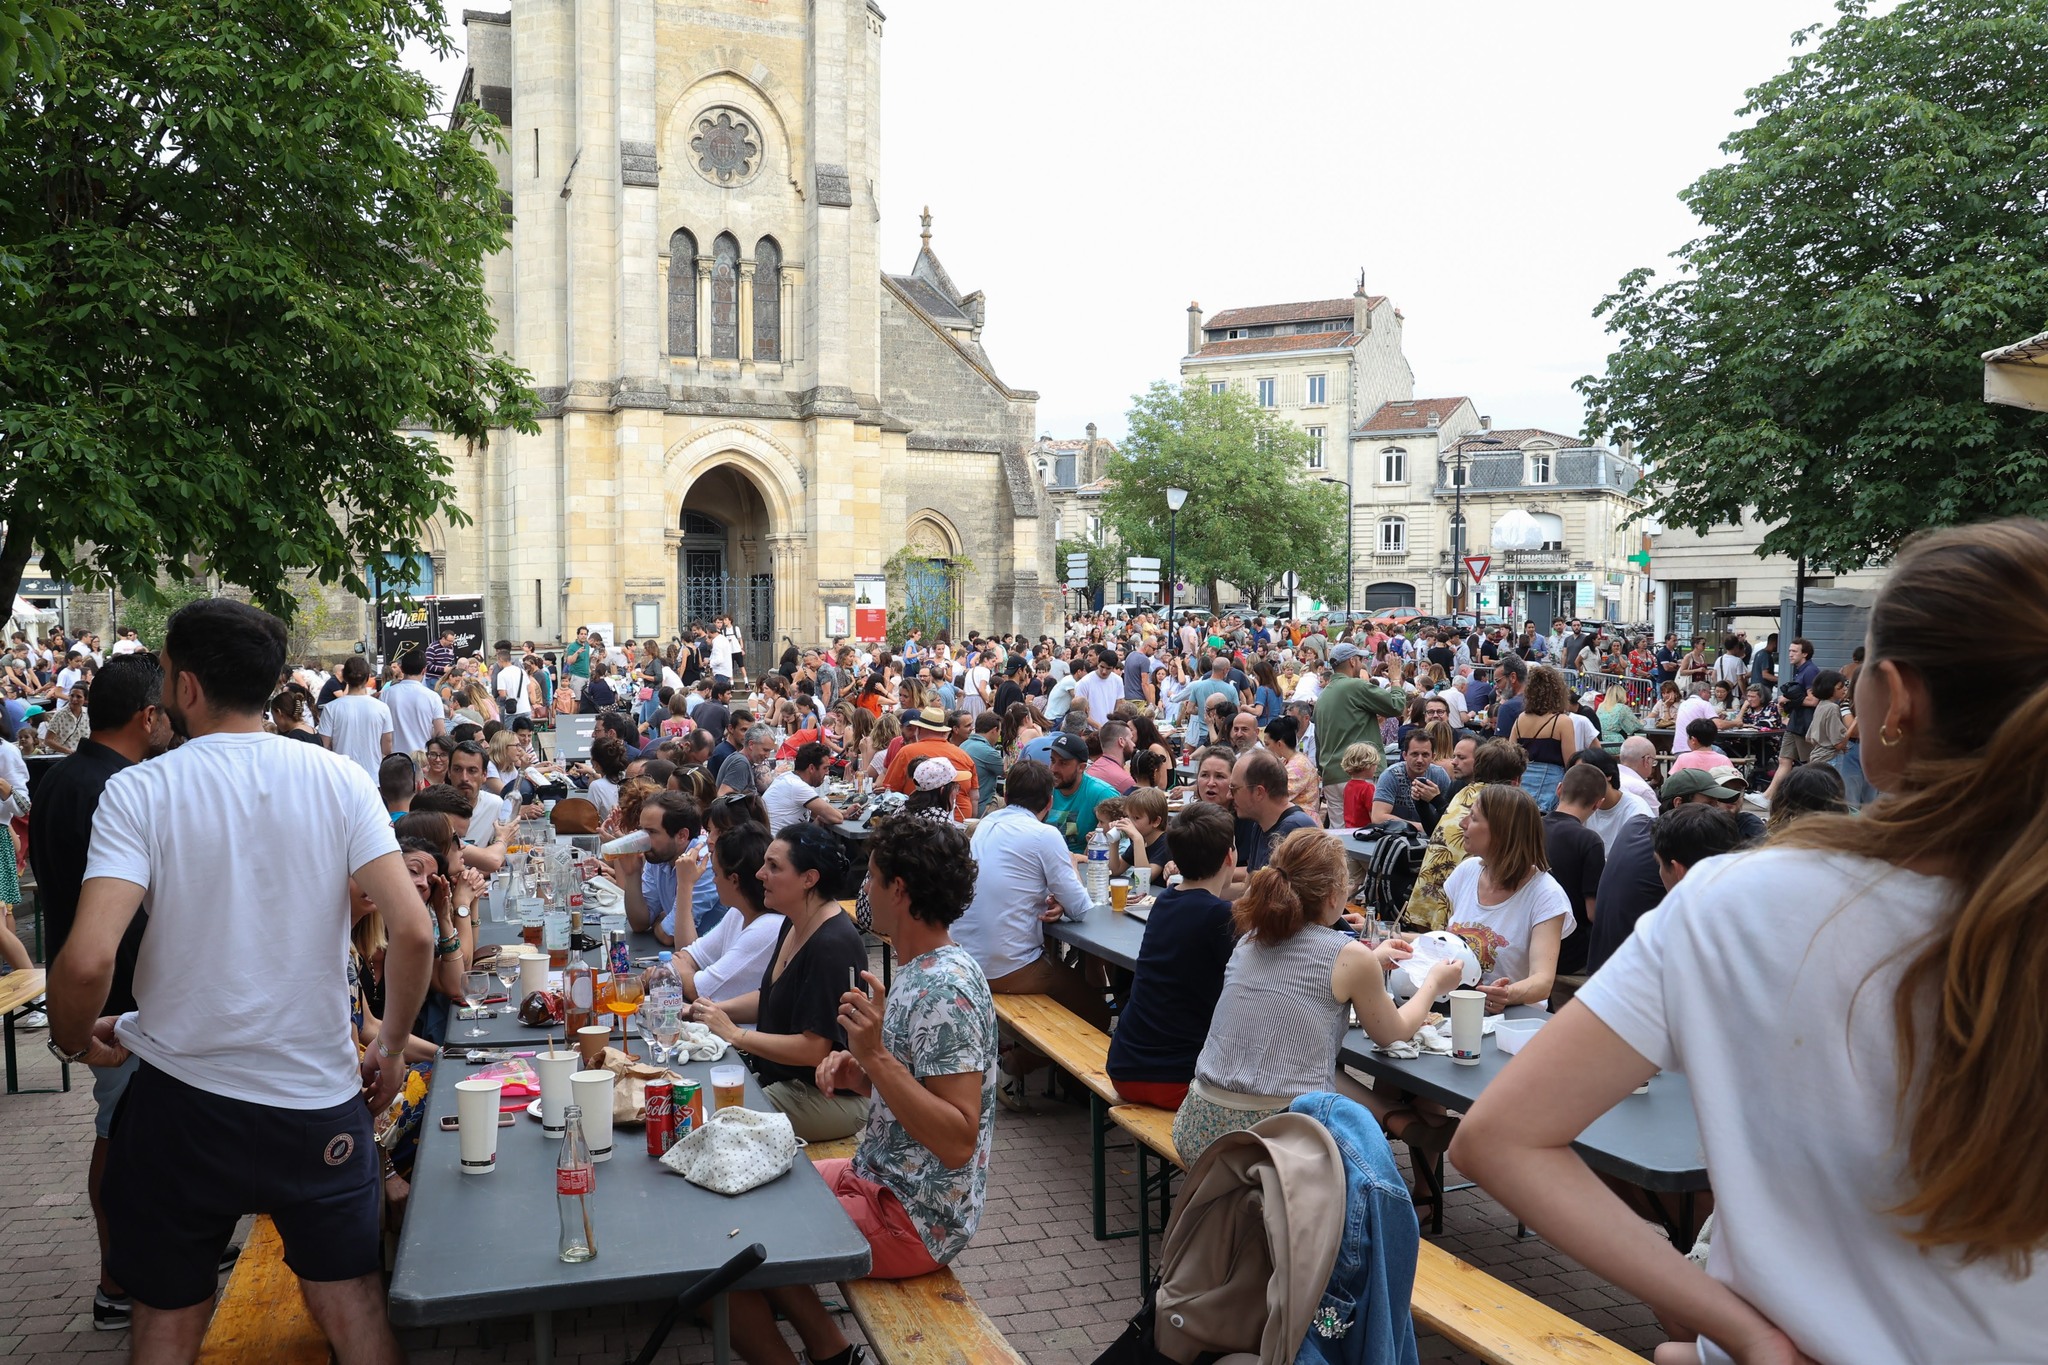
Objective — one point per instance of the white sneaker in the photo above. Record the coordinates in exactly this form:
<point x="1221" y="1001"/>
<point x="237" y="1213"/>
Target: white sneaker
<point x="32" y="1020"/>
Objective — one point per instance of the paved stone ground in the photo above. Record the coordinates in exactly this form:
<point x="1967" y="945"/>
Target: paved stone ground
<point x="1056" y="1293"/>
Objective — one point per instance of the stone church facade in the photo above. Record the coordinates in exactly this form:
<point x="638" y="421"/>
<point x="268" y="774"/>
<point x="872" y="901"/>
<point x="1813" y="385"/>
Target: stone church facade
<point x="743" y="409"/>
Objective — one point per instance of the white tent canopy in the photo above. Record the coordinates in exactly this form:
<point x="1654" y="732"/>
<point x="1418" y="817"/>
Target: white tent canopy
<point x="26" y="612"/>
<point x="2018" y="374"/>
<point x="1517" y="530"/>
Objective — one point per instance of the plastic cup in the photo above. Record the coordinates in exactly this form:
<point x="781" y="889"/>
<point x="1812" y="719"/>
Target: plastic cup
<point x="555" y="1069"/>
<point x="476" y="1112"/>
<point x="591" y="1091"/>
<point x="729" y="1086"/>
<point x="590" y="1045"/>
<point x="1119" y="894"/>
<point x="533" y="973"/>
<point x="1468" y="1026"/>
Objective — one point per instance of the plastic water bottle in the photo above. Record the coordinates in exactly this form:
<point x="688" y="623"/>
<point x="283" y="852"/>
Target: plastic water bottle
<point x="1098" y="866"/>
<point x="661" y="1009"/>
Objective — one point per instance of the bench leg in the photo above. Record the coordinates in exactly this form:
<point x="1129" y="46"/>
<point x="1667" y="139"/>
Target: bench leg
<point x="544" y="1338"/>
<point x="1098" y="1119"/>
<point x="13" y="1083"/>
<point x="1144" y="1223"/>
<point x="721" y="1331"/>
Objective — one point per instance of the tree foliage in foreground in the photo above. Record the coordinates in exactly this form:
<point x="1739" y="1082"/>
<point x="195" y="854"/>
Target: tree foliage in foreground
<point x="1253" y="512"/>
<point x="248" y="256"/>
<point x="1883" y="222"/>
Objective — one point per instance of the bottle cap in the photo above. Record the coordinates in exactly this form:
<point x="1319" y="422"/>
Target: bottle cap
<point x="666" y="956"/>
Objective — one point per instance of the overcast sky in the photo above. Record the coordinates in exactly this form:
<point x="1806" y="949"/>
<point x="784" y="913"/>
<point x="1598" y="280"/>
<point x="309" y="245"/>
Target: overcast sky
<point x="1493" y="167"/>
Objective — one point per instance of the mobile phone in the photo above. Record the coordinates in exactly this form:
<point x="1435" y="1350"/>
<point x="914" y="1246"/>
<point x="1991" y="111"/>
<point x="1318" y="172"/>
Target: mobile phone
<point x="450" y="1123"/>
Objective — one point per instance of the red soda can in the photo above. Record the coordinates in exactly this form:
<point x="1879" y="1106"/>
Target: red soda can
<point x="661" y="1117"/>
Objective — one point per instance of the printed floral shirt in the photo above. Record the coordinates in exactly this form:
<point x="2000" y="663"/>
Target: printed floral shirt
<point x="940" y="1021"/>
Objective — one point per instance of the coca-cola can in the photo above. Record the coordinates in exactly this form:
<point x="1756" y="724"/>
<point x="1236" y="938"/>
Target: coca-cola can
<point x="661" y="1117"/>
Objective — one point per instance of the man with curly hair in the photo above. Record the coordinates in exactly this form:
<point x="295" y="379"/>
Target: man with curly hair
<point x="926" y="1058"/>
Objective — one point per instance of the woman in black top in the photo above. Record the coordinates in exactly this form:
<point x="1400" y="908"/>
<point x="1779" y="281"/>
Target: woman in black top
<point x="795" y="1013"/>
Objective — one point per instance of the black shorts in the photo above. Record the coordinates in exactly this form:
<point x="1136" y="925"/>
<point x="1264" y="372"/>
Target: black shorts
<point x="185" y="1165"/>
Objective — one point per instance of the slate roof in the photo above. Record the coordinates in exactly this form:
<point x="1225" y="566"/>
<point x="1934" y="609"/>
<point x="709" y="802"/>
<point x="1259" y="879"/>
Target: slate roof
<point x="931" y="302"/>
<point x="1314" y="311"/>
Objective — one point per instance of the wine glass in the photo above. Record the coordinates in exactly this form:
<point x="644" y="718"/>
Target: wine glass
<point x="475" y="986"/>
<point x="625" y="1002"/>
<point x="508" y="970"/>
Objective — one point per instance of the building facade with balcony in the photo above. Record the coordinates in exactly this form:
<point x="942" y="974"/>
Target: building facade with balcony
<point x="1428" y="463"/>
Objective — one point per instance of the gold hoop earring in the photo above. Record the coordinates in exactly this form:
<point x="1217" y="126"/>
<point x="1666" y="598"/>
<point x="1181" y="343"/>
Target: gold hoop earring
<point x="1887" y="739"/>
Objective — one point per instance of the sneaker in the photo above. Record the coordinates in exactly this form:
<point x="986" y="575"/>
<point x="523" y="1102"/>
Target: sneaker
<point x="109" y="1314"/>
<point x="856" y="1354"/>
<point x="32" y="1019"/>
<point x="1013" y="1092"/>
<point x="228" y="1258"/>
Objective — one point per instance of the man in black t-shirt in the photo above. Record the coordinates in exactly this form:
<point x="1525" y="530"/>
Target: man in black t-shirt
<point x="1016" y="672"/>
<point x="1576" y="856"/>
<point x="1648" y="859"/>
<point x="129" y="725"/>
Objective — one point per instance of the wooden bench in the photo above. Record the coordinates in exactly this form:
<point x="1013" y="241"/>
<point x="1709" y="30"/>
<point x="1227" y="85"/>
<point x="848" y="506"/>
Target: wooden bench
<point x="929" y="1320"/>
<point x="262" y="1318"/>
<point x="1081" y="1050"/>
<point x="1453" y="1298"/>
<point x="21" y="992"/>
<point x="829" y="1151"/>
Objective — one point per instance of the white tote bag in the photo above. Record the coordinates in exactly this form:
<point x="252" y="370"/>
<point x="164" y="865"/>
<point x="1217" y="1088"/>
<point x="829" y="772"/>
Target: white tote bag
<point x="735" y="1150"/>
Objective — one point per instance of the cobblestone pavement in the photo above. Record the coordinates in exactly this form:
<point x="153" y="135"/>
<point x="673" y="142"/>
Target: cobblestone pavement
<point x="1057" y="1294"/>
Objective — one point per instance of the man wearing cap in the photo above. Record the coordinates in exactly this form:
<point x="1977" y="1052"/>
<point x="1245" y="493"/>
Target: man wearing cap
<point x="1698" y="787"/>
<point x="927" y="735"/>
<point x="1348" y="712"/>
<point x="1075" y="794"/>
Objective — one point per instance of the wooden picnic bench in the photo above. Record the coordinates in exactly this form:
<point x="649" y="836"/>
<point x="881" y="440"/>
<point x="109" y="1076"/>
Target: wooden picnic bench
<point x="262" y="1317"/>
<point x="20" y="992"/>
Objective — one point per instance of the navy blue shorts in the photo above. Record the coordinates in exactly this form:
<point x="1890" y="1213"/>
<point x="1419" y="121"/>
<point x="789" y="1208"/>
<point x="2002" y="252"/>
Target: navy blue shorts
<point x="185" y="1165"/>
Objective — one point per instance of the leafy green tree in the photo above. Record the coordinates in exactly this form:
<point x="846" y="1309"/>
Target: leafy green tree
<point x="250" y="259"/>
<point x="1253" y="511"/>
<point x="1882" y="222"/>
<point x="1099" y="557"/>
<point x="31" y="32"/>
<point x="922" y="593"/>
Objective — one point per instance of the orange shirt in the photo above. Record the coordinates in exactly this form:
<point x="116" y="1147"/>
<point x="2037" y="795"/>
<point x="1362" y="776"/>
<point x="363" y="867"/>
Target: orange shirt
<point x="897" y="778"/>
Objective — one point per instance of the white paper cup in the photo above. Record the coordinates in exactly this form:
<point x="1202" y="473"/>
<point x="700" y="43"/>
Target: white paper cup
<point x="591" y="1091"/>
<point x="1468" y="1026"/>
<point x="555" y="1069"/>
<point x="476" y="1110"/>
<point x="533" y="973"/>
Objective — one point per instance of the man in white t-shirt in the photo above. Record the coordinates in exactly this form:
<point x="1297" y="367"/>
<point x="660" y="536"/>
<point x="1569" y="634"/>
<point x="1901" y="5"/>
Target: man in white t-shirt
<point x="799" y="794"/>
<point x="1102" y="691"/>
<point x="249" y="1097"/>
<point x="508" y="683"/>
<point x="1638" y="760"/>
<point x="355" y="724"/>
<point x="466" y="767"/>
<point x="1696" y="707"/>
<point x="127" y="643"/>
<point x="417" y="711"/>
<point x="721" y="654"/>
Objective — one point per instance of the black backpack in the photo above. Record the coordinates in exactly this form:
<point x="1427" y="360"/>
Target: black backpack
<point x="1392" y="851"/>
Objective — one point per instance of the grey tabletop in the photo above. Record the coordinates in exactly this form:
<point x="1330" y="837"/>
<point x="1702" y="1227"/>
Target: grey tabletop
<point x="1650" y="1140"/>
<point x="484" y="1246"/>
<point x="1105" y="934"/>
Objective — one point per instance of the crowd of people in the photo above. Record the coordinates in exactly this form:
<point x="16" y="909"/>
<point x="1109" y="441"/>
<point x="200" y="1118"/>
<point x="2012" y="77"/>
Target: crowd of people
<point x="1668" y="912"/>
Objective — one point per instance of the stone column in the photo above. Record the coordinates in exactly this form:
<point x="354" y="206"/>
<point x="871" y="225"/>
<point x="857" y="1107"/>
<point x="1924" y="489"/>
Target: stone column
<point x="746" y="310"/>
<point x="792" y="312"/>
<point x="703" y="307"/>
<point x="796" y="611"/>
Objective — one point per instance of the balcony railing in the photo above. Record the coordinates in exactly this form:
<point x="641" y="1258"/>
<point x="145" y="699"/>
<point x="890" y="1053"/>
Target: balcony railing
<point x="1572" y="470"/>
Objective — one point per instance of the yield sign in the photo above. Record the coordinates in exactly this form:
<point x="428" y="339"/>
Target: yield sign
<point x="1477" y="565"/>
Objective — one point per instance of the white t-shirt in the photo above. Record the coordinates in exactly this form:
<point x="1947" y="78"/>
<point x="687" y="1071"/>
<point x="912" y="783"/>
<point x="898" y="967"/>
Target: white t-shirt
<point x="510" y="681"/>
<point x="1308" y="687"/>
<point x="243" y="845"/>
<point x="488" y="811"/>
<point x="1632" y="782"/>
<point x="604" y="794"/>
<point x="1766" y="979"/>
<point x="125" y="646"/>
<point x="1100" y="695"/>
<point x="1454" y="698"/>
<point x="786" y="798"/>
<point x="1607" y="823"/>
<point x="977" y="679"/>
<point x="733" y="957"/>
<point x="356" y="724"/>
<point x="1499" y="934"/>
<point x="414" y="708"/>
<point x="1692" y="709"/>
<point x="721" y="654"/>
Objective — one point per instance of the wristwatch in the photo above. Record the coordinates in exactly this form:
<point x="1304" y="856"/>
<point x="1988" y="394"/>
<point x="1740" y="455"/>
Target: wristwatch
<point x="68" y="1058"/>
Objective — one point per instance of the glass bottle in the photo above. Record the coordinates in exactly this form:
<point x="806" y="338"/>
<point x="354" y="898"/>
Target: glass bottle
<point x="575" y="1182"/>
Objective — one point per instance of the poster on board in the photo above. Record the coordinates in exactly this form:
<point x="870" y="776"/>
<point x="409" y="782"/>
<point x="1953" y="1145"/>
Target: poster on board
<point x="870" y="606"/>
<point x="464" y="616"/>
<point x="838" y="621"/>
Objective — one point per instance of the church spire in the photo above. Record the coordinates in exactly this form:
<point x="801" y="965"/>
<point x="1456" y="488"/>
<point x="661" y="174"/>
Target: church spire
<point x="926" y="219"/>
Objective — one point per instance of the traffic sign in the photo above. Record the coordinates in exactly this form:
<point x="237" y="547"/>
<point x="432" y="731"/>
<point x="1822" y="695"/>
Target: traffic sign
<point x="1079" y="557"/>
<point x="1477" y="565"/>
<point x="1142" y="562"/>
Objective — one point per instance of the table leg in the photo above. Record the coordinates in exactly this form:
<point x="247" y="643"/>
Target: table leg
<point x="13" y="1085"/>
<point x="721" y="1332"/>
<point x="543" y="1339"/>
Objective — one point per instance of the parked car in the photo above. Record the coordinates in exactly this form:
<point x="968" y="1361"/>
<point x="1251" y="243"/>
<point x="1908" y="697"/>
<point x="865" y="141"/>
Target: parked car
<point x="1397" y="616"/>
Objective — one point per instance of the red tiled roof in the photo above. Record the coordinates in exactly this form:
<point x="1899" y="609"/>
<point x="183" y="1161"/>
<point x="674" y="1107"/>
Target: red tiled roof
<point x="1412" y="414"/>
<point x="1316" y="311"/>
<point x="1300" y="341"/>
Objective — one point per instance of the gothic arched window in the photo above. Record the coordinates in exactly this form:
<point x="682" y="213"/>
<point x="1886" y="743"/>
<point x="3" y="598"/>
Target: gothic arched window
<point x="725" y="297"/>
<point x="767" y="300"/>
<point x="682" y="294"/>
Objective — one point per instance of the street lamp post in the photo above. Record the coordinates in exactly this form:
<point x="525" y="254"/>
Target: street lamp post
<point x="1350" y="540"/>
<point x="1458" y="508"/>
<point x="1175" y="497"/>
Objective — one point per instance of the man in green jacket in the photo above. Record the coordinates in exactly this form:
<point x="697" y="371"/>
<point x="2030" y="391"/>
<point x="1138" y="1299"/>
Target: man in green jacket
<point x="1349" y="712"/>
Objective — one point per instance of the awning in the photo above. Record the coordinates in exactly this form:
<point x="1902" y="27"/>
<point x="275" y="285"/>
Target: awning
<point x="2017" y="375"/>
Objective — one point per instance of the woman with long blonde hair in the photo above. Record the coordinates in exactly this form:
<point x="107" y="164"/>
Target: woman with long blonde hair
<point x="1858" y="1008"/>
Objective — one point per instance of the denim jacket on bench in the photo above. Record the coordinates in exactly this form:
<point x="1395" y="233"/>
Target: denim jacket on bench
<point x="1364" y="1316"/>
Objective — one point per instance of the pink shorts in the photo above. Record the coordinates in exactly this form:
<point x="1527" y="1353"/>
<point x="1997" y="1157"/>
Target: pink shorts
<point x="898" y="1252"/>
